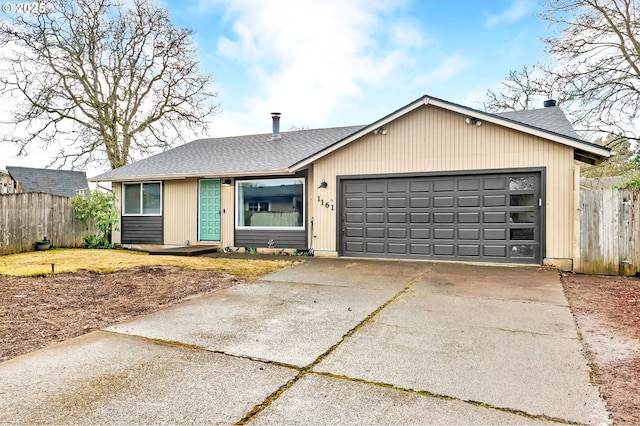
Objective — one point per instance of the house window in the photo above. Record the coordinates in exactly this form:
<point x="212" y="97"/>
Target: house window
<point x="258" y="206"/>
<point x="274" y="203"/>
<point x="142" y="199"/>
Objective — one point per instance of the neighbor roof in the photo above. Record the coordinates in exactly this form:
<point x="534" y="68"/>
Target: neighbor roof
<point x="50" y="181"/>
<point x="259" y="155"/>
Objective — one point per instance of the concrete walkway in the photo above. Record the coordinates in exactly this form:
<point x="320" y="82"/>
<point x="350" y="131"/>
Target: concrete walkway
<point x="331" y="341"/>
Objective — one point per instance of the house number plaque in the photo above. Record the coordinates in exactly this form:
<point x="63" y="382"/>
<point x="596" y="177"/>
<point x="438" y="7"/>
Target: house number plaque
<point x="326" y="204"/>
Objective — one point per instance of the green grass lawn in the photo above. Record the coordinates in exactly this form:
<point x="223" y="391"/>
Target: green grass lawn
<point x="108" y="261"/>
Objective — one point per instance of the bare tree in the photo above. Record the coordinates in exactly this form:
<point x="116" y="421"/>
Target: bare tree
<point x="102" y="81"/>
<point x="598" y="57"/>
<point x="593" y="70"/>
<point x="520" y="90"/>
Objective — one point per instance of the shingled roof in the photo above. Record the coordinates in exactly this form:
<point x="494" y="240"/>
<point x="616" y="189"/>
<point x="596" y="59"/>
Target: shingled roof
<point x="259" y="155"/>
<point x="232" y="156"/>
<point x="50" y="181"/>
<point x="550" y="118"/>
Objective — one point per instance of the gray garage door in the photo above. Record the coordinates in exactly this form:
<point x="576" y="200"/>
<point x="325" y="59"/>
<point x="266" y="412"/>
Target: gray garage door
<point x="492" y="217"/>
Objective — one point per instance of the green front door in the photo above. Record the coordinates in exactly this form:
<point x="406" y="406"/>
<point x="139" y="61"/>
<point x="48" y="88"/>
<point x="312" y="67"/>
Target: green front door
<point x="209" y="210"/>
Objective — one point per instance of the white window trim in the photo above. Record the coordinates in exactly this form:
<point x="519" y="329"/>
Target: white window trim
<point x="141" y="199"/>
<point x="271" y="228"/>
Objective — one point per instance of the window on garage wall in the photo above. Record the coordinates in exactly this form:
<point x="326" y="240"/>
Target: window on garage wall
<point x="142" y="199"/>
<point x="272" y="203"/>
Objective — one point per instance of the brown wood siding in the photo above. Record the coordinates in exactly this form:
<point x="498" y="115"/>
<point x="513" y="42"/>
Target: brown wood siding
<point x="432" y="139"/>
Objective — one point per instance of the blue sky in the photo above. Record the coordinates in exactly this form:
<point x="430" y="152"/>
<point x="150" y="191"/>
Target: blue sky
<point x="326" y="63"/>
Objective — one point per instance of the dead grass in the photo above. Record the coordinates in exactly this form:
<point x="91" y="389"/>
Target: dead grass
<point x="109" y="261"/>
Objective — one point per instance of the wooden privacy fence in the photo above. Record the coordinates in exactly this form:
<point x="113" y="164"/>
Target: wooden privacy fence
<point x="26" y="217"/>
<point x="609" y="232"/>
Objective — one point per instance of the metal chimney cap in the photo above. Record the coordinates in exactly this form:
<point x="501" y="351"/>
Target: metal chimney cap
<point x="550" y="103"/>
<point x="275" y="135"/>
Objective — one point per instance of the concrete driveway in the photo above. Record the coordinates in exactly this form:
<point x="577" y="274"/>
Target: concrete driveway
<point x="331" y="341"/>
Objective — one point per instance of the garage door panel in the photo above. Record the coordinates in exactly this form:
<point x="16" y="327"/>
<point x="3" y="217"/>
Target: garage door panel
<point x="522" y="251"/>
<point x="375" y="247"/>
<point x="516" y="234"/>
<point x="397" y="202"/>
<point x="495" y="251"/>
<point x="495" y="234"/>
<point x="469" y="201"/>
<point x="468" y="217"/>
<point x="375" y="232"/>
<point x="442" y="217"/>
<point x="443" y="249"/>
<point x="469" y="234"/>
<point x="355" y="247"/>
<point x="495" y="183"/>
<point x="419" y="217"/>
<point x="469" y="250"/>
<point x="397" y="248"/>
<point x="354" y="217"/>
<point x="375" y="203"/>
<point x="397" y="186"/>
<point x="469" y="184"/>
<point x="376" y="187"/>
<point x="419" y="202"/>
<point x="420" y="185"/>
<point x="443" y="202"/>
<point x="397" y="217"/>
<point x="397" y="233"/>
<point x="356" y="232"/>
<point x="375" y="217"/>
<point x="444" y="185"/>
<point x="493" y="217"/>
<point x="444" y="234"/>
<point x="354" y="187"/>
<point x="420" y="249"/>
<point x="354" y="203"/>
<point x="499" y="200"/>
<point x="420" y="233"/>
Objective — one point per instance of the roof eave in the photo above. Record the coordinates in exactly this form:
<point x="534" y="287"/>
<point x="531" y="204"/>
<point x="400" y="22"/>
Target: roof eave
<point x="190" y="176"/>
<point x="593" y="154"/>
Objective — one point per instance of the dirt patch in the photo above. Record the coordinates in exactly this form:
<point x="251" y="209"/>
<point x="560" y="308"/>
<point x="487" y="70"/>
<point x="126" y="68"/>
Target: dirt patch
<point x="607" y="311"/>
<point x="38" y="311"/>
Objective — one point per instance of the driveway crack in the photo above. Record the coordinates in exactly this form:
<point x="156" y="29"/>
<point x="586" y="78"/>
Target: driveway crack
<point x="307" y="369"/>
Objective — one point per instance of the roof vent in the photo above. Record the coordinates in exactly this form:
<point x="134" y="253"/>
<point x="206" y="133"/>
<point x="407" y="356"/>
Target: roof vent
<point x="550" y="103"/>
<point x="275" y="135"/>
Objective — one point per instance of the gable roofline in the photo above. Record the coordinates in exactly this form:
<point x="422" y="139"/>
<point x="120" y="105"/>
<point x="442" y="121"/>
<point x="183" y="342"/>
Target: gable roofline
<point x="156" y="177"/>
<point x="585" y="151"/>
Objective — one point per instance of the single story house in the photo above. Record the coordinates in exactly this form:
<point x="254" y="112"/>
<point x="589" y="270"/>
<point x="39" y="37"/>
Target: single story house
<point x="66" y="183"/>
<point x="432" y="180"/>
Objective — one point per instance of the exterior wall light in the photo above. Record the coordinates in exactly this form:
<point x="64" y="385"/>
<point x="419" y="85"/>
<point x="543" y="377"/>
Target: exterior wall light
<point x="226" y="182"/>
<point x="323" y="184"/>
<point x="474" y="121"/>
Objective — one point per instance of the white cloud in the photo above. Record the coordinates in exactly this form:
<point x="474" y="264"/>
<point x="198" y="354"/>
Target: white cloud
<point x="518" y="10"/>
<point x="447" y="69"/>
<point x="308" y="57"/>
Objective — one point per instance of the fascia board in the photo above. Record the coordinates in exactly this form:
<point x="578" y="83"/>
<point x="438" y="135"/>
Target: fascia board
<point x="574" y="143"/>
<point x="189" y="176"/>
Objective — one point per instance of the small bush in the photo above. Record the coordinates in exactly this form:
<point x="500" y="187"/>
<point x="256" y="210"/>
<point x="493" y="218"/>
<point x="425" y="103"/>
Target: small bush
<point x="97" y="242"/>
